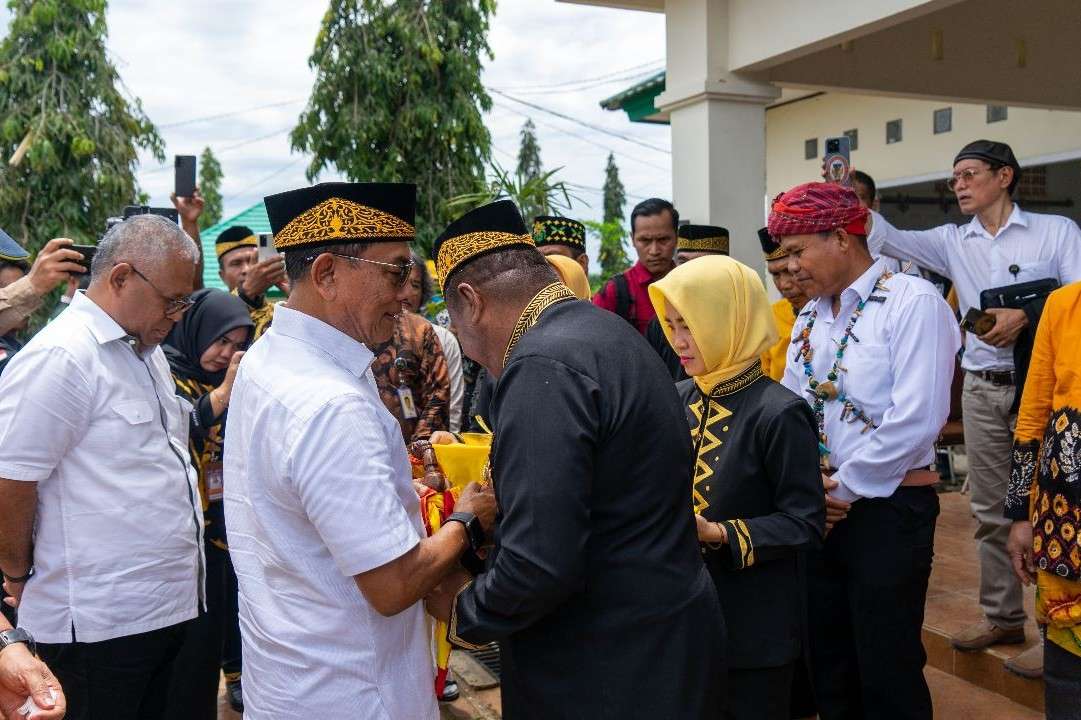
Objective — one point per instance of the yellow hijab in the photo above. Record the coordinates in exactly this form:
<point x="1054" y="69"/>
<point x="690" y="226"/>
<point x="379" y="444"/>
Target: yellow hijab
<point x="572" y="275"/>
<point x="726" y="309"/>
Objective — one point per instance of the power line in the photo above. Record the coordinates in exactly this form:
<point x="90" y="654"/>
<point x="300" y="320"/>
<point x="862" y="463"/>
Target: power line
<point x="233" y="113"/>
<point x="633" y="77"/>
<point x="262" y="180"/>
<point x="605" y="76"/>
<point x="595" y="128"/>
<point x="227" y="148"/>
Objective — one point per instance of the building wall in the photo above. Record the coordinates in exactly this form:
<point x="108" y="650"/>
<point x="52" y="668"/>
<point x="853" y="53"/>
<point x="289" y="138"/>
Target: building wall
<point x="1037" y="137"/>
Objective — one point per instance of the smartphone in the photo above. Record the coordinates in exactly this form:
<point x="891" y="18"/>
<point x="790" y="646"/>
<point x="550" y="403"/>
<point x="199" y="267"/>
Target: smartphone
<point x="133" y="210"/>
<point x="185" y="175"/>
<point x="837" y="162"/>
<point x="88" y="252"/>
<point x="977" y="322"/>
<point x="266" y="247"/>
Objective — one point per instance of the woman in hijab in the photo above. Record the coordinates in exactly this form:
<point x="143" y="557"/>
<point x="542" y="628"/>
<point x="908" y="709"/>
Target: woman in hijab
<point x="756" y="489"/>
<point x="204" y="349"/>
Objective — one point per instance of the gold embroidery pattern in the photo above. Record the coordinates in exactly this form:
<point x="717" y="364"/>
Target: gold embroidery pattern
<point x="455" y="251"/>
<point x="706" y="443"/>
<point x="739" y="536"/>
<point x="549" y="296"/>
<point x="335" y="219"/>
<point x="222" y="248"/>
<point x="559" y="231"/>
<point x="734" y="385"/>
<point x="452" y="629"/>
<point x="776" y="255"/>
<point x="709" y="244"/>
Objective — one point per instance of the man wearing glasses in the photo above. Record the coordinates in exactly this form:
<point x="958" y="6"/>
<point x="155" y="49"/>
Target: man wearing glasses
<point x="101" y="529"/>
<point x="1003" y="245"/>
<point x="324" y="521"/>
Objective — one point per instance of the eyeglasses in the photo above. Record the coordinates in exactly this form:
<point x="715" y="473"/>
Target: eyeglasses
<point x="967" y="175"/>
<point x="173" y="305"/>
<point x="403" y="270"/>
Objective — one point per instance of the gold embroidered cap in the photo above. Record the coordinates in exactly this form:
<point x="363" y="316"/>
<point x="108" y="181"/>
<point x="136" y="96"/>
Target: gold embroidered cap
<point x="334" y="213"/>
<point x="231" y="238"/>
<point x="770" y="247"/>
<point x="553" y="230"/>
<point x="702" y="238"/>
<point x="490" y="227"/>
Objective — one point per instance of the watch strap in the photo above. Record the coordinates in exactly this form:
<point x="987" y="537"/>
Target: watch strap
<point x="18" y="635"/>
<point x="474" y="532"/>
<point x="29" y="574"/>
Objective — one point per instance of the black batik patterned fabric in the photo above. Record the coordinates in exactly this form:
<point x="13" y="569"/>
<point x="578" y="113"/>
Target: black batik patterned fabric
<point x="1056" y="512"/>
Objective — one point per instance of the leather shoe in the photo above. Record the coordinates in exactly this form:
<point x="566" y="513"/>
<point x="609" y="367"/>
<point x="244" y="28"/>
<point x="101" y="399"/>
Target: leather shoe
<point x="1028" y="664"/>
<point x="450" y="691"/>
<point x="984" y="634"/>
<point x="234" y="695"/>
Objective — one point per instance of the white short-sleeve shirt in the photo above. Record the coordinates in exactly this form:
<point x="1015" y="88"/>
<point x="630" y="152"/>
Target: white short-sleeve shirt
<point x="118" y="538"/>
<point x="318" y="488"/>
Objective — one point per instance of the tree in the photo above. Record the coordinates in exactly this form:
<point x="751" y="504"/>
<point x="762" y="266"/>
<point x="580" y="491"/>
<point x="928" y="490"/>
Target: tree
<point x="68" y="137"/>
<point x="546" y="196"/>
<point x="398" y="98"/>
<point x="614" y="195"/>
<point x="529" y="165"/>
<point x="210" y="188"/>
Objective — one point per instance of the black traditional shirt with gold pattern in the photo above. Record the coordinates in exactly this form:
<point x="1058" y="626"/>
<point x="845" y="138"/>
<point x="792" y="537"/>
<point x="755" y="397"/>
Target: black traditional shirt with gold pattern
<point x="756" y="473"/>
<point x="261" y="311"/>
<point x="205" y="445"/>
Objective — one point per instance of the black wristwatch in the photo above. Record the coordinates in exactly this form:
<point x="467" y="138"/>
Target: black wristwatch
<point x="18" y="635"/>
<point x="29" y="574"/>
<point x="473" y="531"/>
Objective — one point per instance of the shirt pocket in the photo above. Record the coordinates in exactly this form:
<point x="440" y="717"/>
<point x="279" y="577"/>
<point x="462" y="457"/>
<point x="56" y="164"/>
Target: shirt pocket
<point x="134" y="412"/>
<point x="869" y="377"/>
<point x="1029" y="271"/>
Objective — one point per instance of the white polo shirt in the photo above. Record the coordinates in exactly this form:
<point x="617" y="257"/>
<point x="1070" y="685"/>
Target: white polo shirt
<point x="318" y="488"/>
<point x="1034" y="245"/>
<point x="118" y="547"/>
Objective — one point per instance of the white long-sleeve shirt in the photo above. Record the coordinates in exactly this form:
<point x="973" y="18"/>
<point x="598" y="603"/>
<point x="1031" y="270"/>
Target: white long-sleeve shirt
<point x="1036" y="246"/>
<point x="898" y="373"/>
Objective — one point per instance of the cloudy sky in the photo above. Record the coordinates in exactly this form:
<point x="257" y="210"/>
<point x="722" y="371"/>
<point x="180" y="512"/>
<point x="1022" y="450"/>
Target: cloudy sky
<point x="233" y="74"/>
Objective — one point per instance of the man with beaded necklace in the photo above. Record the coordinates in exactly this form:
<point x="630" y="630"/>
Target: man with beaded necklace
<point x="873" y="354"/>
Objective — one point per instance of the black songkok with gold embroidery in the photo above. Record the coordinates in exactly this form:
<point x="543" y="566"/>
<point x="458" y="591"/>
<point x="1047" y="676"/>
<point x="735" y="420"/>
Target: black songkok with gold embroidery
<point x="702" y="238"/>
<point x="490" y="227"/>
<point x="770" y="246"/>
<point x="231" y="238"/>
<point x="552" y="230"/>
<point x="337" y="213"/>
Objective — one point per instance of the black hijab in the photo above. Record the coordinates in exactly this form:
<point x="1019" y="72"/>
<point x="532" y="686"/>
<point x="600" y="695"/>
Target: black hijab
<point x="212" y="314"/>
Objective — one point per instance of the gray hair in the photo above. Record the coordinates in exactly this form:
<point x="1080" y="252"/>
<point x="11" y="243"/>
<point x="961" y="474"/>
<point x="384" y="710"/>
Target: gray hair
<point x="149" y="240"/>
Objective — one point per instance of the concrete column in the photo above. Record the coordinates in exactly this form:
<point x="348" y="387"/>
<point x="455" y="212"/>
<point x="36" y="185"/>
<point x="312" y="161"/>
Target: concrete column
<point x="718" y="125"/>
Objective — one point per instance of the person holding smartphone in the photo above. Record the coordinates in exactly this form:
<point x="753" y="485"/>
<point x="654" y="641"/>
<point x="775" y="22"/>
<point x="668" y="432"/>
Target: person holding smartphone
<point x="247" y="275"/>
<point x="55" y="263"/>
<point x="1002" y="245"/>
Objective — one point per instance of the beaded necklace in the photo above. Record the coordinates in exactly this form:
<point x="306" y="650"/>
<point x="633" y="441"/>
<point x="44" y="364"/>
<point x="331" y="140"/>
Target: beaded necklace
<point x="823" y="392"/>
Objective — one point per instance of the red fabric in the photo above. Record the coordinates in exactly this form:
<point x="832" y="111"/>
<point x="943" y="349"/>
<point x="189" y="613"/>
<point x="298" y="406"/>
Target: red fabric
<point x="638" y="280"/>
<point x="817" y="207"/>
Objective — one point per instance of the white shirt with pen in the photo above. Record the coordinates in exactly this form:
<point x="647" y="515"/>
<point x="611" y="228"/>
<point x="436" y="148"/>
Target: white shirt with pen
<point x="1029" y="246"/>
<point x="898" y="368"/>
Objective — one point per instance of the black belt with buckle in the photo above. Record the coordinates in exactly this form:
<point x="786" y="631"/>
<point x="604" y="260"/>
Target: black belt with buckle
<point x="996" y="377"/>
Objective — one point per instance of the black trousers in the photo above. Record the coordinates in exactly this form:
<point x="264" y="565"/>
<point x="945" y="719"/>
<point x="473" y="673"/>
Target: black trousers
<point x="1062" y="683"/>
<point x="868" y="585"/>
<point x="126" y="678"/>
<point x="231" y="654"/>
<point x="759" y="693"/>
<point x="193" y="693"/>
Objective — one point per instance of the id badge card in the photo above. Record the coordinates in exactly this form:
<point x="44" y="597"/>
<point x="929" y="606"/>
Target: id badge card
<point x="215" y="488"/>
<point x="409" y="408"/>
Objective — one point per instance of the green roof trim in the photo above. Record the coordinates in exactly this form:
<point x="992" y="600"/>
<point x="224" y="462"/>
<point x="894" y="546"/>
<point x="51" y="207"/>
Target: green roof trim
<point x="638" y="100"/>
<point x="254" y="217"/>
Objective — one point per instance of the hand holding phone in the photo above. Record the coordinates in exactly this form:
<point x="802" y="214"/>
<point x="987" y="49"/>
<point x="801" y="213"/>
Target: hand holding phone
<point x="88" y="252"/>
<point x="837" y="163"/>
<point x="266" y="247"/>
<point x="977" y="322"/>
<point x="185" y="175"/>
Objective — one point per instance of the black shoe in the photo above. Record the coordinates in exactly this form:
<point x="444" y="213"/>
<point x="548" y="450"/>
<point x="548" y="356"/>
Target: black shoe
<point x="234" y="695"/>
<point x="450" y="691"/>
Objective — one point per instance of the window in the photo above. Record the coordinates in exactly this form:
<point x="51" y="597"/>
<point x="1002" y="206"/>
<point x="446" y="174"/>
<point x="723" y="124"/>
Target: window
<point x="853" y="139"/>
<point x="810" y="149"/>
<point x="893" y="132"/>
<point x="996" y="113"/>
<point x="943" y="120"/>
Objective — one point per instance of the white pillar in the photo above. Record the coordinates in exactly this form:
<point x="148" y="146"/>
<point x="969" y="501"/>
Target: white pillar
<point x="718" y="124"/>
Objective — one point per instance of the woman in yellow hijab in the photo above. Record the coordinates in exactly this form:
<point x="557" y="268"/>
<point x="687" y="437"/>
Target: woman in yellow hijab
<point x="572" y="275"/>
<point x="757" y="493"/>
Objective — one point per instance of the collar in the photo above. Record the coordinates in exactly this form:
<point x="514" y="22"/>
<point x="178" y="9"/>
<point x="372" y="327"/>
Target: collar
<point x="352" y="355"/>
<point x="862" y="288"/>
<point x="639" y="274"/>
<point x="101" y="324"/>
<point x="555" y="293"/>
<point x="1017" y="217"/>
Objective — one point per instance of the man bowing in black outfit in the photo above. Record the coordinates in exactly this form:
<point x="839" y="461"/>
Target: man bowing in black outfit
<point x="595" y="581"/>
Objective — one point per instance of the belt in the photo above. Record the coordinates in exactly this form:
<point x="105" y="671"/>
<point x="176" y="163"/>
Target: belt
<point x="996" y="377"/>
<point x="916" y="477"/>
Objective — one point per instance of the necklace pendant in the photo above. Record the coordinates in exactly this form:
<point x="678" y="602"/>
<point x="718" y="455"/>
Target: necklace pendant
<point x="827" y="390"/>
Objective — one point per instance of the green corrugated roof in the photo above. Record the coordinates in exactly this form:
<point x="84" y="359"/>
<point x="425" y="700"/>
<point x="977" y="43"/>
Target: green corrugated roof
<point x="254" y="217"/>
<point x="637" y="100"/>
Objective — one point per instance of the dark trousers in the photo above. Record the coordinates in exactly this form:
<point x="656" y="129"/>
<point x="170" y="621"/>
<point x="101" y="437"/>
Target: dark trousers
<point x="759" y="693"/>
<point x="126" y="678"/>
<point x="231" y="657"/>
<point x="193" y="693"/>
<point x="1062" y="683"/>
<point x="867" y="585"/>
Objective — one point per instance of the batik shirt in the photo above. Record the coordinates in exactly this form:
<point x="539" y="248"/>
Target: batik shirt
<point x="413" y="360"/>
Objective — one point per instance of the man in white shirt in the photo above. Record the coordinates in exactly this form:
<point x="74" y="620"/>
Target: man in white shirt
<point x="101" y="534"/>
<point x="1002" y="245"/>
<point x="324" y="521"/>
<point x="873" y="354"/>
